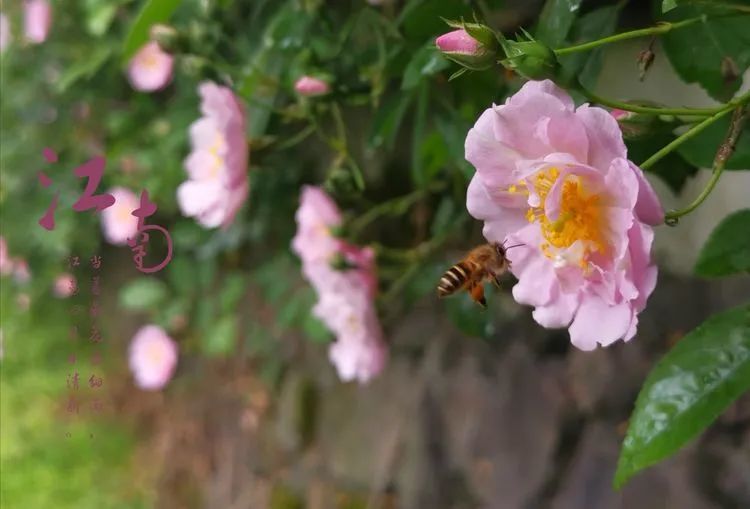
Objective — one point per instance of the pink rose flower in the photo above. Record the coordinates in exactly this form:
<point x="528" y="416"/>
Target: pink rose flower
<point x="37" y="20"/>
<point x="457" y="41"/>
<point x="65" y="285"/>
<point x="152" y="357"/>
<point x="6" y="264"/>
<point x="150" y="69"/>
<point x="5" y="34"/>
<point x="345" y="297"/>
<point x="118" y="222"/>
<point x="557" y="180"/>
<point x="217" y="166"/>
<point x="308" y="86"/>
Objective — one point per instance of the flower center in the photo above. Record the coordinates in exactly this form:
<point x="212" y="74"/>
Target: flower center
<point x="579" y="218"/>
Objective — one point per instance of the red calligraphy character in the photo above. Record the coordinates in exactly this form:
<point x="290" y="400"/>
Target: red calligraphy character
<point x="73" y="405"/>
<point x="96" y="261"/>
<point x="95" y="285"/>
<point x="95" y="381"/>
<point x="47" y="221"/>
<point x="73" y="287"/>
<point x="95" y="335"/>
<point x="96" y="405"/>
<point x="73" y="381"/>
<point x="94" y="309"/>
<point x="73" y="261"/>
<point x="92" y="171"/>
<point x="146" y="209"/>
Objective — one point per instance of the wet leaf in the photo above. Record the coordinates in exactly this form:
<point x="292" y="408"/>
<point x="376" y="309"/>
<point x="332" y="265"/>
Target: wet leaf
<point x="694" y="382"/>
<point x="727" y="250"/>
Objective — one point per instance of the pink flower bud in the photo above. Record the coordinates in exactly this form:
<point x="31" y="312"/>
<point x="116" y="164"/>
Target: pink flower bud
<point x="458" y="41"/>
<point x="307" y="86"/>
<point x="619" y="114"/>
<point x="37" y="19"/>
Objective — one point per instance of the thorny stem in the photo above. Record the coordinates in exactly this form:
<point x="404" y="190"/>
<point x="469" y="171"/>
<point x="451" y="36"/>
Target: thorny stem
<point x="704" y="112"/>
<point x="339" y="144"/>
<point x="395" y="206"/>
<point x="738" y="102"/>
<point x="659" y="29"/>
<point x="726" y="149"/>
<point x="697" y="128"/>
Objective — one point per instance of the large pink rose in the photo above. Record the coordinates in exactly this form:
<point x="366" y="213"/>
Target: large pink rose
<point x="556" y="179"/>
<point x="217" y="166"/>
<point x="345" y="297"/>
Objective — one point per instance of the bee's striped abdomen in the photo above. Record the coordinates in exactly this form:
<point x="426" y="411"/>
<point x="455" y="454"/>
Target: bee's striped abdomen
<point x="454" y="279"/>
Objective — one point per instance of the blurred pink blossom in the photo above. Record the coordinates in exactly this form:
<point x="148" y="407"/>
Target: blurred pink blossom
<point x="152" y="357"/>
<point x="217" y="184"/>
<point x="150" y="69"/>
<point x="309" y="86"/>
<point x="457" y="41"/>
<point x="345" y="297"/>
<point x="556" y="179"/>
<point x="5" y="33"/>
<point x="21" y="271"/>
<point x="37" y="20"/>
<point x="6" y="264"/>
<point x="65" y="285"/>
<point x="118" y="223"/>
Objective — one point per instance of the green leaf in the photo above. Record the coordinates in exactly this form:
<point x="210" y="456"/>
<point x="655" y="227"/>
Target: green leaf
<point x="668" y="5"/>
<point x="143" y="293"/>
<point x="83" y="69"/>
<point x="694" y="382"/>
<point x="427" y="61"/>
<point x="672" y="169"/>
<point x="699" y="52"/>
<point x="219" y="340"/>
<point x="284" y="37"/>
<point x="315" y="330"/>
<point x="593" y="25"/>
<point x="702" y="148"/>
<point x="469" y="317"/>
<point x="727" y="250"/>
<point x="153" y="12"/>
<point x="233" y="289"/>
<point x="555" y="21"/>
<point x="387" y="121"/>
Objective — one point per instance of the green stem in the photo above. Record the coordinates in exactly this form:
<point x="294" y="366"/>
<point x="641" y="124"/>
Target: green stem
<point x="396" y="206"/>
<point x="654" y="110"/>
<point x="661" y="28"/>
<point x="726" y="149"/>
<point x="739" y="101"/>
<point x="697" y="128"/>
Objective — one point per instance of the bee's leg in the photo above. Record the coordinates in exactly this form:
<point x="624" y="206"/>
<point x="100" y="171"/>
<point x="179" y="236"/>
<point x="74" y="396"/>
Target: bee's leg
<point x="477" y="294"/>
<point x="496" y="281"/>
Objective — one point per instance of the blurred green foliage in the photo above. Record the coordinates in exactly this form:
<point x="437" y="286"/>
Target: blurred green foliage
<point x="393" y="116"/>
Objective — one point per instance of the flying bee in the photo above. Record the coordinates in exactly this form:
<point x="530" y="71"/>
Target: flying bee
<point x="485" y="262"/>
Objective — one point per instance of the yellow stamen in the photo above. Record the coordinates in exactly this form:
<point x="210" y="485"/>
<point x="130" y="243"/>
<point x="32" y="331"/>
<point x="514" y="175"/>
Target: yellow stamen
<point x="579" y="219"/>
